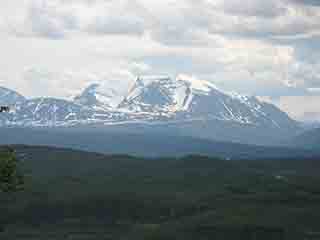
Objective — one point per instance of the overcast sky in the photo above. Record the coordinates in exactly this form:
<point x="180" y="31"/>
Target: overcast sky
<point x="265" y="48"/>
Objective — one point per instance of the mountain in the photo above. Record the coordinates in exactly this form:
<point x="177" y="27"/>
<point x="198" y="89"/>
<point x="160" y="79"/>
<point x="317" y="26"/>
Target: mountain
<point x="10" y="97"/>
<point x="52" y="112"/>
<point x="180" y="107"/>
<point x="308" y="139"/>
<point x="94" y="96"/>
<point x="156" y="95"/>
<point x="191" y="99"/>
<point x="198" y="108"/>
<point x="47" y="112"/>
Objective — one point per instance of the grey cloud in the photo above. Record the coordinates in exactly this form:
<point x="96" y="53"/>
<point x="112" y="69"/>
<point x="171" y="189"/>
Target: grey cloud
<point x="115" y="25"/>
<point x="55" y="20"/>
<point x="262" y="29"/>
<point x="305" y="75"/>
<point x="288" y="20"/>
<point x="272" y="20"/>
<point x="128" y="19"/>
<point x="189" y="23"/>
<point x="307" y="2"/>
<point x="252" y="8"/>
<point x="178" y="36"/>
<point x="267" y="9"/>
<point x="46" y="22"/>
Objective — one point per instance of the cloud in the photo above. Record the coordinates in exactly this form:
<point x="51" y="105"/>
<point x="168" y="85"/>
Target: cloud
<point x="59" y="19"/>
<point x="69" y="83"/>
<point x="169" y="22"/>
<point x="314" y="90"/>
<point x="117" y="17"/>
<point x="288" y="20"/>
<point x="49" y="21"/>
<point x="301" y="107"/>
<point x="304" y="75"/>
<point x="251" y="46"/>
<point x="194" y="21"/>
<point x="260" y="8"/>
<point x="306" y="2"/>
<point x="140" y="68"/>
<point x="114" y="25"/>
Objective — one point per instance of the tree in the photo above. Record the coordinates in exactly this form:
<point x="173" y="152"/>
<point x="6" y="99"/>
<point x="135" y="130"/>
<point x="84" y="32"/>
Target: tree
<point x="11" y="179"/>
<point x="4" y="109"/>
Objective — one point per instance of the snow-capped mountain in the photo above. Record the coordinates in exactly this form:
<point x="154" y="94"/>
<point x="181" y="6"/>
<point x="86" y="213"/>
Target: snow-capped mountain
<point x="180" y="106"/>
<point x="100" y="98"/>
<point x="153" y="95"/>
<point x="10" y="97"/>
<point x="185" y="98"/>
<point x="55" y="112"/>
<point x="169" y="95"/>
<point x="44" y="112"/>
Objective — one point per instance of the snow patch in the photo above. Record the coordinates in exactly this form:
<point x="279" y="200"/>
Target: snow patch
<point x="197" y="84"/>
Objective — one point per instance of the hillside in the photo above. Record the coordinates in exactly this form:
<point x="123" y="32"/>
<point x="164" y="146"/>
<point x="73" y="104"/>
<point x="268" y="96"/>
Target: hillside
<point x="142" y="141"/>
<point x="92" y="196"/>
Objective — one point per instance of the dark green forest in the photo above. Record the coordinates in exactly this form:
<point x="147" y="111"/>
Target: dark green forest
<point x="70" y="194"/>
<point x="11" y="179"/>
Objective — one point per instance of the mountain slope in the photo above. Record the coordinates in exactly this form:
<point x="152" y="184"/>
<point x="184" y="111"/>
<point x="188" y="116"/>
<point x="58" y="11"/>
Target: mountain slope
<point x="94" y="96"/>
<point x="48" y="112"/>
<point x="10" y="97"/>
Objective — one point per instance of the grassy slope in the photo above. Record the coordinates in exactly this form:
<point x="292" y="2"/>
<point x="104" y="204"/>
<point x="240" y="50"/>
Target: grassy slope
<point x="92" y="196"/>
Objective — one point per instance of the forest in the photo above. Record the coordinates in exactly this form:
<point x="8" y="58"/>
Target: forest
<point x="52" y="193"/>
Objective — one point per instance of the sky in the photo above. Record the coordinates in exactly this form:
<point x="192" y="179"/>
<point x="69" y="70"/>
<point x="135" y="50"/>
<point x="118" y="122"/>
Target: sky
<point x="270" y="49"/>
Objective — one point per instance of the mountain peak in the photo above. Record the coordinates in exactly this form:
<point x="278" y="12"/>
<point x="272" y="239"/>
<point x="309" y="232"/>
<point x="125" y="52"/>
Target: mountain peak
<point x="145" y="80"/>
<point x="190" y="81"/>
<point x="165" y="94"/>
<point x="99" y="97"/>
<point x="197" y="84"/>
<point x="154" y="94"/>
<point x="92" y="88"/>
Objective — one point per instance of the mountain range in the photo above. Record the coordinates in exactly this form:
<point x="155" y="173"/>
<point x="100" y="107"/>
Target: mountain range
<point x="181" y="107"/>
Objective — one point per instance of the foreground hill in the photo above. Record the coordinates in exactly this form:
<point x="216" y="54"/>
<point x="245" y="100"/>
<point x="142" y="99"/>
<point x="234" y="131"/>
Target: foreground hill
<point x="81" y="195"/>
<point x="143" y="142"/>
